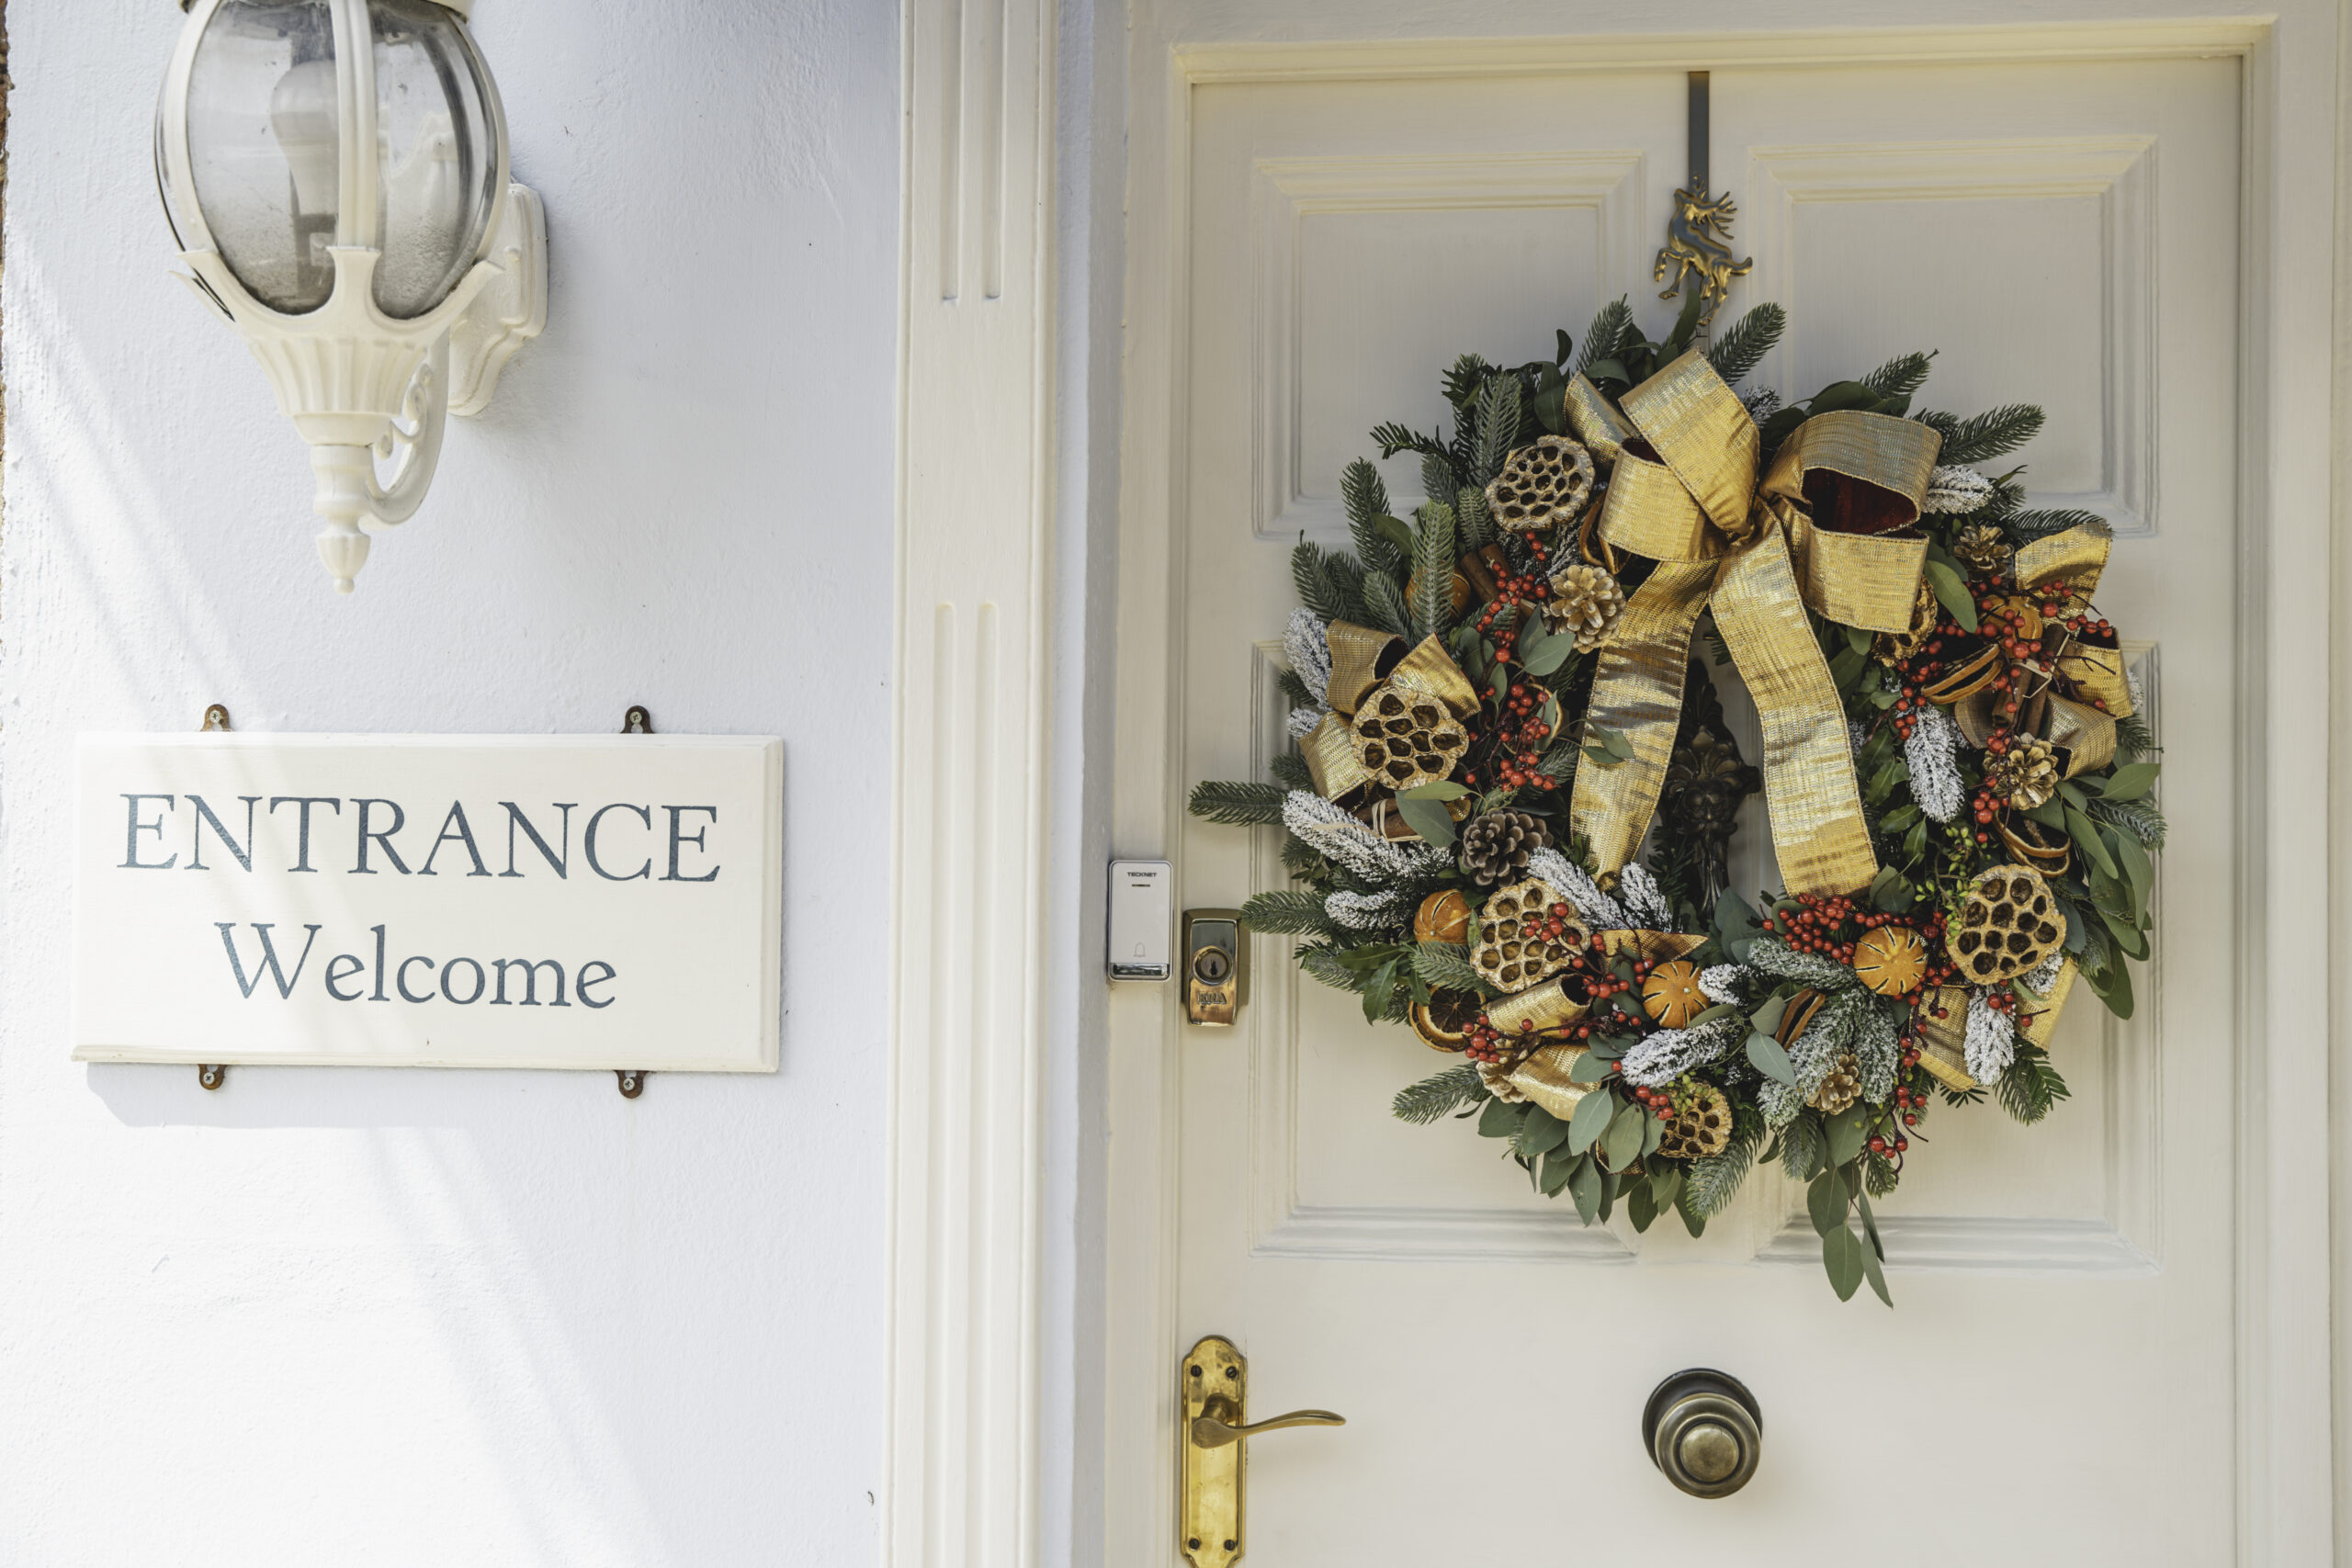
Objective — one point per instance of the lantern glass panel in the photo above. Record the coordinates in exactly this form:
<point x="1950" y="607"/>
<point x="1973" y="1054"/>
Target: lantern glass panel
<point x="437" y="159"/>
<point x="262" y="145"/>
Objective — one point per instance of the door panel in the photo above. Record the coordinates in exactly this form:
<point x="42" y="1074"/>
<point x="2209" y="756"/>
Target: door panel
<point x="2055" y="1382"/>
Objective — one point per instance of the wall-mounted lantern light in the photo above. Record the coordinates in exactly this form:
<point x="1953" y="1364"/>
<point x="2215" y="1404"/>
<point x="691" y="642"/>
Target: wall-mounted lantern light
<point x="336" y="173"/>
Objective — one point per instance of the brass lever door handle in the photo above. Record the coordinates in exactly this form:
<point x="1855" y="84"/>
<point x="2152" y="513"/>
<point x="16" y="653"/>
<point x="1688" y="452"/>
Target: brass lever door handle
<point x="1211" y="1433"/>
<point x="1212" y="1391"/>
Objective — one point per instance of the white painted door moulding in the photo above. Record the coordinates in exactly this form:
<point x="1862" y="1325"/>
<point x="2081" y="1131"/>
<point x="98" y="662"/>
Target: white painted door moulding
<point x="967" y="843"/>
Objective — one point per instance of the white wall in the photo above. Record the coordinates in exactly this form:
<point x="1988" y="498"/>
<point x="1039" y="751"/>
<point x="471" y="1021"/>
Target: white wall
<point x="418" y="1318"/>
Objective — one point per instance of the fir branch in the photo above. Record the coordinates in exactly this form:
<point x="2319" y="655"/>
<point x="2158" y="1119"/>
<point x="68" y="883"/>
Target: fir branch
<point x="1987" y="435"/>
<point x="1441" y="477"/>
<point x="1289" y="912"/>
<point x="1464" y="377"/>
<point x="2137" y="817"/>
<point x="1291" y="770"/>
<point x="1496" y="431"/>
<point x="1433" y="568"/>
<point x="1323" y="965"/>
<point x="1301" y="860"/>
<point x="1384" y="604"/>
<point x="1475" y="523"/>
<point x="1456" y="1089"/>
<point x="1395" y="438"/>
<point x="1366" y="500"/>
<point x="1899" y="377"/>
<point x="2027" y="527"/>
<point x="1239" y="804"/>
<point x="1742" y="348"/>
<point x="1879" y="1175"/>
<point x="1328" y="583"/>
<point x="1611" y="324"/>
<point x="2030" y="1087"/>
<point x="2134" y="739"/>
<point x="1447" y="965"/>
<point x="1713" y="1179"/>
<point x="1295" y="690"/>
<point x="1804" y="1152"/>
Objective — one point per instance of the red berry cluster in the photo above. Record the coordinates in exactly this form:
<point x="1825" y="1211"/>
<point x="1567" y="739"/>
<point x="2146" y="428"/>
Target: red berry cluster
<point x="1661" y="1103"/>
<point x="1521" y="737"/>
<point x="1524" y="593"/>
<point x="1833" y="927"/>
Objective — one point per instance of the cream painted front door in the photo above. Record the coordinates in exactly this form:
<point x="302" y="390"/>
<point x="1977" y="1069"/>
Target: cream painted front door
<point x="2055" y="1382"/>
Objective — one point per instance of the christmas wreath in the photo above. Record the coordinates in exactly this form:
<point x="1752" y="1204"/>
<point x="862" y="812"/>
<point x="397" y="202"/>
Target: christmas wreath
<point x="1511" y="801"/>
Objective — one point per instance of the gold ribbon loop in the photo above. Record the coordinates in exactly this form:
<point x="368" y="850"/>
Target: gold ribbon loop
<point x="1361" y="659"/>
<point x="1430" y="670"/>
<point x="2078" y="555"/>
<point x="1596" y="424"/>
<point x="1330" y="752"/>
<point x="1758" y="560"/>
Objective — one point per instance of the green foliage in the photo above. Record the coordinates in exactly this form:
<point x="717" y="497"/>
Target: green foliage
<point x="2030" y="1087"/>
<point x="1456" y="1089"/>
<point x="1393" y="438"/>
<point x="2134" y="739"/>
<point x="1446" y="966"/>
<point x="1612" y="327"/>
<point x="1384" y="604"/>
<point x="1743" y="345"/>
<point x="1295" y="689"/>
<point x="1290" y="770"/>
<point x="1433" y="564"/>
<point x="1713" y="1180"/>
<point x="1496" y="429"/>
<point x="1900" y="376"/>
<point x="1239" y="804"/>
<point x="2137" y="817"/>
<point x="1289" y="912"/>
<point x="1804" y="1146"/>
<point x="2027" y="527"/>
<point x="1328" y="583"/>
<point x="1475" y="523"/>
<point x="1366" y="499"/>
<point x="1988" y="434"/>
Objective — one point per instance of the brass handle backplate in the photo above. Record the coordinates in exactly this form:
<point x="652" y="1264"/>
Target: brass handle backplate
<point x="1704" y="1432"/>
<point x="1212" y="1390"/>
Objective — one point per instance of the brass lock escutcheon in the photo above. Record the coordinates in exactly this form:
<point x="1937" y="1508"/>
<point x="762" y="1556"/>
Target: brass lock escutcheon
<point x="1704" y="1432"/>
<point x="1212" y="1388"/>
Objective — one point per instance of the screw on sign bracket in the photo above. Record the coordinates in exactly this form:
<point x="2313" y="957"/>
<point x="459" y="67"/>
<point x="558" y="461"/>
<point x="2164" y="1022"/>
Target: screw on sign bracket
<point x="636" y="721"/>
<point x="216" y="721"/>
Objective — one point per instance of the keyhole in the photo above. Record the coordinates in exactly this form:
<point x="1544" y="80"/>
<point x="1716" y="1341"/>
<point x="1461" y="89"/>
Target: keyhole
<point x="1212" y="966"/>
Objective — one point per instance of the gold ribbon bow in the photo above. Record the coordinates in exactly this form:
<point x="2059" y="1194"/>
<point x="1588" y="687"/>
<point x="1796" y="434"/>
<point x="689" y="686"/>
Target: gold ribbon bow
<point x="1685" y="493"/>
<point x="2061" y="689"/>
<point x="1542" y="1075"/>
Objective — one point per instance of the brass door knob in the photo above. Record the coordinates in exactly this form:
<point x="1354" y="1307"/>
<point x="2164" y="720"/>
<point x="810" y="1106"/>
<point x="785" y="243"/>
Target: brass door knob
<point x="1704" y="1432"/>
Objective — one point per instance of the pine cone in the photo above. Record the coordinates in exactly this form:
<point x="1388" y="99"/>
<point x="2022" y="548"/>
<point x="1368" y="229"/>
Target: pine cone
<point x="1587" y="601"/>
<point x="1495" y="847"/>
<point x="1983" y="546"/>
<point x="1840" y="1089"/>
<point x="1698" y="1129"/>
<point x="1541" y="485"/>
<point x="2026" y="773"/>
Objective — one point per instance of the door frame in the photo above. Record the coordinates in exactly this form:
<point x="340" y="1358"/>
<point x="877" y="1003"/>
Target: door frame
<point x="2292" y="240"/>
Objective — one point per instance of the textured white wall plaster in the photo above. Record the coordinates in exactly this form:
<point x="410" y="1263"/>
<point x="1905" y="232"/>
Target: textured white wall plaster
<point x="443" y="1318"/>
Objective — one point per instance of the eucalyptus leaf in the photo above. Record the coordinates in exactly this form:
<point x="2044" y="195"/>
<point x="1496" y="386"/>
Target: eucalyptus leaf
<point x="1397" y="532"/>
<point x="1541" y="649"/>
<point x="1540" y="1133"/>
<point x="1590" y="1120"/>
<point x="1499" y="1120"/>
<point x="1622" y="1145"/>
<point x="1869" y="1229"/>
<point x="1841" y="1254"/>
<point x="2129" y="781"/>
<point x="1558" y="1166"/>
<point x="1590" y="1068"/>
<point x="1443" y="789"/>
<point x="1584" y="1186"/>
<point x="1641" y="1207"/>
<point x="1876" y="1272"/>
<point x="1665" y="1182"/>
<point x="1826" y="1200"/>
<point x="1770" y="1059"/>
<point x="1652" y="1135"/>
<point x="1378" y="990"/>
<point x="2137" y="871"/>
<point x="1845" y="1135"/>
<point x="1952" y="591"/>
<point x="1428" y="818"/>
<point x="2129" y="937"/>
<point x="2085" y="833"/>
<point x="1721" y="1010"/>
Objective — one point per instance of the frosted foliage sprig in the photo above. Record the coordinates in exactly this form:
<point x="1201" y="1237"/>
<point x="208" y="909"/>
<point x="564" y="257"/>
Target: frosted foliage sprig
<point x="2040" y="980"/>
<point x="1304" y="720"/>
<point x="1991" y="1044"/>
<point x="1643" y="899"/>
<point x="1331" y="833"/>
<point x="1363" y="911"/>
<point x="1598" y="910"/>
<point x="1658" y="1058"/>
<point x="1310" y="652"/>
<point x="1932" y="753"/>
<point x="1956" y="491"/>
<point x="1724" y="983"/>
<point x="1815" y="1051"/>
<point x="1777" y="958"/>
<point x="1878" y="1052"/>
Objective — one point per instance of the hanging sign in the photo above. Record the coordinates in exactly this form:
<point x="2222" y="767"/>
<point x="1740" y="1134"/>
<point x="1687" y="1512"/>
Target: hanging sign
<point x="453" y="901"/>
